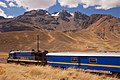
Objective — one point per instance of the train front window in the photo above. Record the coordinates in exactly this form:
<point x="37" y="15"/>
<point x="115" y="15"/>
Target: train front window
<point x="92" y="60"/>
<point x="14" y="56"/>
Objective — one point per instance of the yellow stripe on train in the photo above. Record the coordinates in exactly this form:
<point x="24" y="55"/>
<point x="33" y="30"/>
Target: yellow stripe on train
<point x="83" y="64"/>
<point x="100" y="65"/>
<point x="23" y="60"/>
<point x="62" y="63"/>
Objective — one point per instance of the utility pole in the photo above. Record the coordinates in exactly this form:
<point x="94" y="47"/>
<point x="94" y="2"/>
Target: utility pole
<point x="104" y="33"/>
<point x="38" y="43"/>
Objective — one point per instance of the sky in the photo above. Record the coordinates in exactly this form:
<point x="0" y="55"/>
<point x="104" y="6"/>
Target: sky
<point x="13" y="8"/>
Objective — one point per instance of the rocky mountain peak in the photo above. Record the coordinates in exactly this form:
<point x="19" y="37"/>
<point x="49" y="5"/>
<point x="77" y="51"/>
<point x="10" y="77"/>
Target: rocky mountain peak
<point x="98" y="16"/>
<point x="42" y="12"/>
<point x="80" y="16"/>
<point x="95" y="17"/>
<point x="36" y="12"/>
<point x="64" y="14"/>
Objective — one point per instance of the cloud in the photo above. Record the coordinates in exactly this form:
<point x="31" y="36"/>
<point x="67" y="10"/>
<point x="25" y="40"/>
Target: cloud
<point x="99" y="4"/>
<point x="10" y="16"/>
<point x="2" y="4"/>
<point x="2" y="13"/>
<point x="11" y="4"/>
<point x="45" y="4"/>
<point x="34" y="4"/>
<point x="9" y="0"/>
<point x="69" y="3"/>
<point x="104" y="4"/>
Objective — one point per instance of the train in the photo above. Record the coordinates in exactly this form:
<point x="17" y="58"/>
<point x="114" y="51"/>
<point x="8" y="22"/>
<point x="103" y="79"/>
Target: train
<point x="96" y="61"/>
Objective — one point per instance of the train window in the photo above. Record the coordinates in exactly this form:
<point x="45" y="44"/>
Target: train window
<point x="92" y="60"/>
<point x="74" y="59"/>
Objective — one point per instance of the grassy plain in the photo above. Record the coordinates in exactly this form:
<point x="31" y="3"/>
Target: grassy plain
<point x="32" y="72"/>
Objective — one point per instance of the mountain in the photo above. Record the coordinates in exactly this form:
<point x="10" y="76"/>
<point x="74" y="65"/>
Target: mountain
<point x="59" y="21"/>
<point x="60" y="31"/>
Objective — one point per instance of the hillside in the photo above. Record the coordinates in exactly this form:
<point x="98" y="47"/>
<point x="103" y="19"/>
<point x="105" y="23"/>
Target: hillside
<point x="9" y="72"/>
<point x="85" y="40"/>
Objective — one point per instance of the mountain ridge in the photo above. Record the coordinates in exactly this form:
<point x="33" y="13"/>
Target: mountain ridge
<point x="43" y="20"/>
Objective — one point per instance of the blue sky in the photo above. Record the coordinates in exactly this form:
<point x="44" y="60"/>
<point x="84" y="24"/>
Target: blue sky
<point x="12" y="8"/>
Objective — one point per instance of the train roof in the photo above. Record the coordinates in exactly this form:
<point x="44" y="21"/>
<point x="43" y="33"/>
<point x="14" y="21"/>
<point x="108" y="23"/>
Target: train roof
<point x="112" y="54"/>
<point x="21" y="51"/>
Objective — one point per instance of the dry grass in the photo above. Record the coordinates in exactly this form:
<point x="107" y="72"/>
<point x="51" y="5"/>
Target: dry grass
<point x="58" y="41"/>
<point x="18" y="72"/>
<point x="3" y="55"/>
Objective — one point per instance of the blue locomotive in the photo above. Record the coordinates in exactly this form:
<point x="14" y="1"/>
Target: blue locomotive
<point x="27" y="57"/>
<point x="103" y="61"/>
